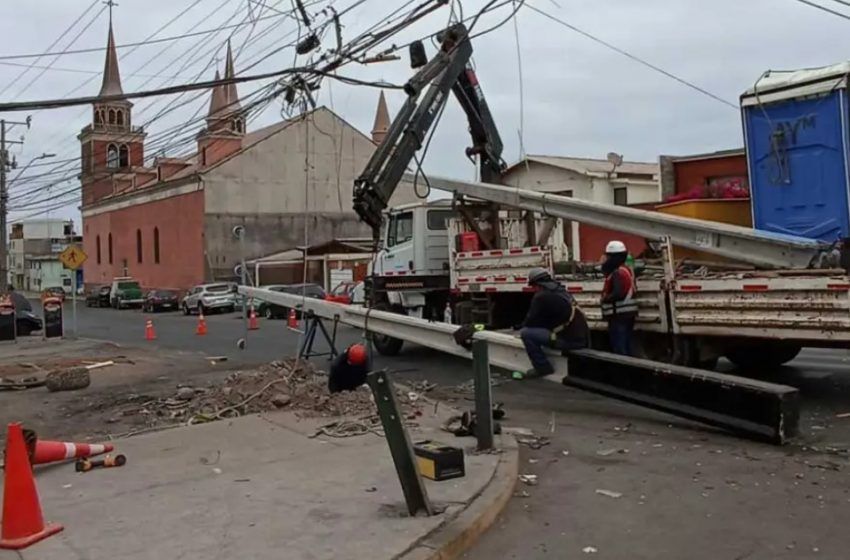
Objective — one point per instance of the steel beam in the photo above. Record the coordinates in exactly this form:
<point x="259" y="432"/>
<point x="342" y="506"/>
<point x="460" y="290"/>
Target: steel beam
<point x="755" y="409"/>
<point x="726" y="240"/>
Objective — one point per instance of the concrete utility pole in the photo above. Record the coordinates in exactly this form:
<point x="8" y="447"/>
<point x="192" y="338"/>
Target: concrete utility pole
<point x="5" y="165"/>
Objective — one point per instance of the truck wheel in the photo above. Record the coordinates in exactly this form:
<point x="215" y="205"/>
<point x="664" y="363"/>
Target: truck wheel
<point x="387" y="345"/>
<point x="761" y="355"/>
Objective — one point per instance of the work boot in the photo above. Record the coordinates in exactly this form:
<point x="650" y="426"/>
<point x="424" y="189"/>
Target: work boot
<point x="533" y="372"/>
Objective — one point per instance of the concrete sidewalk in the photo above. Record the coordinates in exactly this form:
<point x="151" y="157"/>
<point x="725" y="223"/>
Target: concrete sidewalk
<point x="259" y="487"/>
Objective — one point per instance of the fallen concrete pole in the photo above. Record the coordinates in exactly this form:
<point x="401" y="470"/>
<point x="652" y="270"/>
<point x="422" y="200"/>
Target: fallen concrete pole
<point x="755" y="409"/>
<point x="751" y="408"/>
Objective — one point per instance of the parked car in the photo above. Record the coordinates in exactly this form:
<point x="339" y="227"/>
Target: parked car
<point x="161" y="300"/>
<point x="274" y="311"/>
<point x="98" y="297"/>
<point x="125" y="292"/>
<point x="27" y="322"/>
<point x="55" y="291"/>
<point x="348" y="293"/>
<point x="209" y="297"/>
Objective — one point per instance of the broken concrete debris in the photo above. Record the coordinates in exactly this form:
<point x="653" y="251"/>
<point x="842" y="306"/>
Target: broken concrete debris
<point x="281" y="384"/>
<point x="69" y="379"/>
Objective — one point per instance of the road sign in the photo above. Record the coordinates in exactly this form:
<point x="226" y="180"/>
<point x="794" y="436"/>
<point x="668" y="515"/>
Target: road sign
<point x="73" y="257"/>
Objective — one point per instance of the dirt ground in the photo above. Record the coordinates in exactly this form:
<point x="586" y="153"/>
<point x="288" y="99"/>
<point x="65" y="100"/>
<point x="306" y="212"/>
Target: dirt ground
<point x="85" y="415"/>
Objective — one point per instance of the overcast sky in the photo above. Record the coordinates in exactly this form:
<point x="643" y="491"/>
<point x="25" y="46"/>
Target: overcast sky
<point x="580" y="98"/>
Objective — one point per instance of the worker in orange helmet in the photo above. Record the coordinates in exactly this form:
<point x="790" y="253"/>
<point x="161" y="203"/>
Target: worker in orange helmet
<point x="349" y="369"/>
<point x="619" y="306"/>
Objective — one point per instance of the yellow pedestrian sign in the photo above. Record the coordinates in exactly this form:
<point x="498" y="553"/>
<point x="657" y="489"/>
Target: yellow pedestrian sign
<point x="73" y="257"/>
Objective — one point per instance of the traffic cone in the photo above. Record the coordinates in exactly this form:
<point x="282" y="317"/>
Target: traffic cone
<point x="52" y="451"/>
<point x="150" y="334"/>
<point x="22" y="522"/>
<point x="253" y="325"/>
<point x="201" y="330"/>
<point x="292" y="320"/>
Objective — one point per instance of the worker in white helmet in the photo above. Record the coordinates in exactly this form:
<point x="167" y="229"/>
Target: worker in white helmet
<point x="619" y="306"/>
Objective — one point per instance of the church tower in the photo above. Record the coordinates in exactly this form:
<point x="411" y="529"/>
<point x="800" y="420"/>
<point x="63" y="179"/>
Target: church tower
<point x="225" y="120"/>
<point x="111" y="146"/>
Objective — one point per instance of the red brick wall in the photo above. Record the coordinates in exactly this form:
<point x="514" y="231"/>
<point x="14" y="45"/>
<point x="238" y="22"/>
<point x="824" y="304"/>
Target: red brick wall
<point x="180" y="221"/>
<point x="696" y="173"/>
<point x="593" y="239"/>
<point x="213" y="149"/>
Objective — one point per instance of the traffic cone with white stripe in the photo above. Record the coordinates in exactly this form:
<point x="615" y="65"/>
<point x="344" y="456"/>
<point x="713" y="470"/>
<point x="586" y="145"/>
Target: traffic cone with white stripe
<point x="292" y="320"/>
<point x="253" y="325"/>
<point x="201" y="329"/>
<point x="53" y="451"/>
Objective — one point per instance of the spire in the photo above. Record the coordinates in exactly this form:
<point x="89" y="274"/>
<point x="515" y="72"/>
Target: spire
<point x="382" y="121"/>
<point x="218" y="101"/>
<point x="111" y="77"/>
<point x="232" y="94"/>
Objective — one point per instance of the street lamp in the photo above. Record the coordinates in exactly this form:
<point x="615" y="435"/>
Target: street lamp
<point x="33" y="160"/>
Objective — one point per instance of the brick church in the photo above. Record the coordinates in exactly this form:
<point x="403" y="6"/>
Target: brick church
<point x="167" y="221"/>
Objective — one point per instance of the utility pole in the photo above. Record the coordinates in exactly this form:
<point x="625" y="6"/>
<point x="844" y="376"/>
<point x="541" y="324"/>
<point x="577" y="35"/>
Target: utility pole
<point x="5" y="165"/>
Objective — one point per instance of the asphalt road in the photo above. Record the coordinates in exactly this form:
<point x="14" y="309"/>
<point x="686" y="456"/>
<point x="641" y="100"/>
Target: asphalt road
<point x="615" y="481"/>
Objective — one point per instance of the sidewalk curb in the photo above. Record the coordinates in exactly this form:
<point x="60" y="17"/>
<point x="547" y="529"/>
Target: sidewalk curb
<point x="453" y="538"/>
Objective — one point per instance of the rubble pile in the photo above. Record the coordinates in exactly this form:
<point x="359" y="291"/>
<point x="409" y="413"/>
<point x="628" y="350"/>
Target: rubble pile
<point x="278" y="385"/>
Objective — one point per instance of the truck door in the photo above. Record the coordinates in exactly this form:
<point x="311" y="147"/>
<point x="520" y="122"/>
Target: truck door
<point x="398" y="254"/>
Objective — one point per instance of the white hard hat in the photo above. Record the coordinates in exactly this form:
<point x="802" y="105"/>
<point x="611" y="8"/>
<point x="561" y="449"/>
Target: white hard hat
<point x="615" y="247"/>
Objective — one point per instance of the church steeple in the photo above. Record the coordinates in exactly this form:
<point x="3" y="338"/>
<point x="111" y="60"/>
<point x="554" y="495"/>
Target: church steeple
<point x="225" y="114"/>
<point x="111" y="76"/>
<point x="382" y="121"/>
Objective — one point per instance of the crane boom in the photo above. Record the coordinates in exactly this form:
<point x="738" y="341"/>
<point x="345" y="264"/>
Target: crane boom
<point x="449" y="71"/>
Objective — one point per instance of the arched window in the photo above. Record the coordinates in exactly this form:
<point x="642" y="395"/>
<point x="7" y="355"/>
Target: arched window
<point x="139" y="245"/>
<point x="98" y="249"/>
<point x="123" y="156"/>
<point x="112" y="156"/>
<point x="98" y="117"/>
<point x="119" y="117"/>
<point x="156" y="245"/>
<point x="109" y="248"/>
<point x="112" y="116"/>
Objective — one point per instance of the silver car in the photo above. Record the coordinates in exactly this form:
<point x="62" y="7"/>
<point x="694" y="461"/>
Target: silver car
<point x="209" y="297"/>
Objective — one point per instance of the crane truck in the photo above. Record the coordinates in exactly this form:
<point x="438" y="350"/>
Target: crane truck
<point x="466" y="260"/>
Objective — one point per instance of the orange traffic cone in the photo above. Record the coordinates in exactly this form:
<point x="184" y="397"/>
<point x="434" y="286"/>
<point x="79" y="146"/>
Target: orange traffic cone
<point x="292" y="320"/>
<point x="201" y="330"/>
<point x="22" y="523"/>
<point x="52" y="451"/>
<point x="252" y="320"/>
<point x="150" y="334"/>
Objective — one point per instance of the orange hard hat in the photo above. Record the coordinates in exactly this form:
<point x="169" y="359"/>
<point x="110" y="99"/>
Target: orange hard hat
<point x="357" y="355"/>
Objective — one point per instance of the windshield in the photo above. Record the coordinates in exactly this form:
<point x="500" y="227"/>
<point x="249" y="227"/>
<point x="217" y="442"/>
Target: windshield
<point x="218" y="288"/>
<point x="128" y="286"/>
<point x="400" y="229"/>
<point x="163" y="293"/>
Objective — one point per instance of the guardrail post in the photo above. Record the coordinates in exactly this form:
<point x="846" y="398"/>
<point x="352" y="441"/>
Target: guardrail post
<point x="483" y="395"/>
<point x="399" y="442"/>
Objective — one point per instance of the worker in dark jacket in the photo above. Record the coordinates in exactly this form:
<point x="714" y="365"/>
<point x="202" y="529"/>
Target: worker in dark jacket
<point x="349" y="369"/>
<point x="553" y="320"/>
<point x="619" y="306"/>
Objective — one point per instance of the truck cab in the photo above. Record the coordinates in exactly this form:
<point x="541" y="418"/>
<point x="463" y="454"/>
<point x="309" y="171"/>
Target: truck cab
<point x="415" y="240"/>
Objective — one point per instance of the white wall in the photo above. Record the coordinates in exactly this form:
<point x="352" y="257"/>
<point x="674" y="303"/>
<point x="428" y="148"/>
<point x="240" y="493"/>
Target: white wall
<point x="270" y="177"/>
<point x="45" y="229"/>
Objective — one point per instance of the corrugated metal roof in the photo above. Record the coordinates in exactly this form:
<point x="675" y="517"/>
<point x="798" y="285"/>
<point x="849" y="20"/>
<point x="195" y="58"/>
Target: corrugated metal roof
<point x="593" y="166"/>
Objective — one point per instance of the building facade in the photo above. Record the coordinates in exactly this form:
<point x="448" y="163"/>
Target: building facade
<point x="34" y="249"/>
<point x="626" y="184"/>
<point x="168" y="222"/>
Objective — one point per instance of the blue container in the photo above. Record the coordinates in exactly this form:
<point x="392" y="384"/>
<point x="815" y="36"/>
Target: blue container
<point x="796" y="134"/>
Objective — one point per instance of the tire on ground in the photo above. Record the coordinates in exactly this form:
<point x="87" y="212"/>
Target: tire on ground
<point x="387" y="345"/>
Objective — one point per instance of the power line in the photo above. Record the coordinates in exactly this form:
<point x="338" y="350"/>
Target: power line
<point x="53" y="44"/>
<point x="842" y="2"/>
<point x="637" y="58"/>
<point x="827" y="10"/>
<point x="136" y="44"/>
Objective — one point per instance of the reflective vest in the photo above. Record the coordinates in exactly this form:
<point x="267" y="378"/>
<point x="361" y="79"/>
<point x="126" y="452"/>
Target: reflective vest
<point x="626" y="305"/>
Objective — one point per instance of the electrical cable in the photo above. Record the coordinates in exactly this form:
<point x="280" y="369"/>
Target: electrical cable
<point x="53" y="44"/>
<point x="825" y="9"/>
<point x="634" y="57"/>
